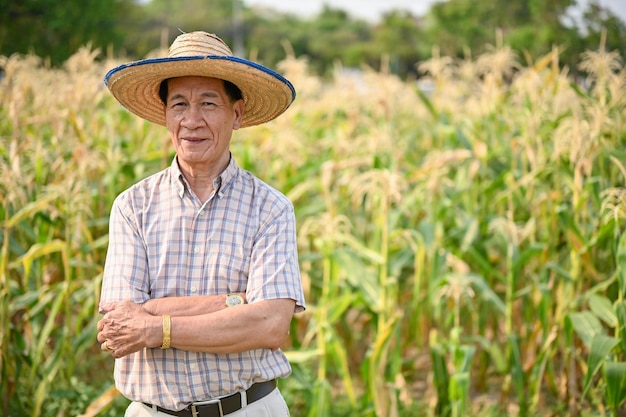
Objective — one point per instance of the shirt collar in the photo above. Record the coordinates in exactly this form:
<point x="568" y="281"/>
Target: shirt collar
<point x="221" y="183"/>
<point x="226" y="177"/>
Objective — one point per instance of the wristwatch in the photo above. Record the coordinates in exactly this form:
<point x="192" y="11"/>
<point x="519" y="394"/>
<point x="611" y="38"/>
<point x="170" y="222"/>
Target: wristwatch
<point x="233" y="300"/>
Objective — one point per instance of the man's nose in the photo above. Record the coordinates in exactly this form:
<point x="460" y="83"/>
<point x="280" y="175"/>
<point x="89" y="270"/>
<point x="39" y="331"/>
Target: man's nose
<point x="193" y="117"/>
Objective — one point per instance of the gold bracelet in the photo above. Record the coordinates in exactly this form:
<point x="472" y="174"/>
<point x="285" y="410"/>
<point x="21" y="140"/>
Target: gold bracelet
<point x="167" y="329"/>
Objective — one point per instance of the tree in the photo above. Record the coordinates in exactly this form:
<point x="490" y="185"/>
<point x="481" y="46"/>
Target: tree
<point x="530" y="27"/>
<point x="56" y="29"/>
<point x="597" y="18"/>
<point x="398" y="36"/>
<point x="335" y="36"/>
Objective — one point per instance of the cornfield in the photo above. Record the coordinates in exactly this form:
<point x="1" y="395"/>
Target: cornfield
<point x="460" y="237"/>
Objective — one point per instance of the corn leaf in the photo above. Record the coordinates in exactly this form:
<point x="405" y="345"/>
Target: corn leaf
<point x="615" y="376"/>
<point x="602" y="307"/>
<point x="586" y="325"/>
<point x="601" y="346"/>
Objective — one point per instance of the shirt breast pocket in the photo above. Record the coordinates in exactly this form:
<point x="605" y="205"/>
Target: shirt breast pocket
<point x="226" y="268"/>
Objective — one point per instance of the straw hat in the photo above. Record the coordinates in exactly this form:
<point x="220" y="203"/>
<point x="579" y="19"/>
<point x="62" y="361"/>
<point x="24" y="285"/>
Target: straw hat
<point x="266" y="94"/>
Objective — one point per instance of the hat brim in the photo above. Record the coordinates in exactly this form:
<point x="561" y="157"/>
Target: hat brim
<point x="266" y="93"/>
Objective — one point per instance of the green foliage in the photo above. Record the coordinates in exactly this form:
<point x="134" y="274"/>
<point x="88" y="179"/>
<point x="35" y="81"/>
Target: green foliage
<point x="531" y="27"/>
<point x="460" y="238"/>
<point x="458" y="28"/>
<point x="57" y="29"/>
<point x="605" y="352"/>
<point x="58" y="182"/>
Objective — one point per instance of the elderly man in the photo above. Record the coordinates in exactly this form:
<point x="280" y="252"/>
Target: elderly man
<point x="201" y="278"/>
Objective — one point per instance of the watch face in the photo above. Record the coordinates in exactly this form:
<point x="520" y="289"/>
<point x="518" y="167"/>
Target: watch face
<point x="233" y="300"/>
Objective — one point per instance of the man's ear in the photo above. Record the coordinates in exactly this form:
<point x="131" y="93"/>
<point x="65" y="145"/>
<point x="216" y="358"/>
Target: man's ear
<point x="238" y="108"/>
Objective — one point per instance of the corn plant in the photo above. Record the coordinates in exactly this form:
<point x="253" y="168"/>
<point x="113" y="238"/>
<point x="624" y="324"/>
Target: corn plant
<point x="460" y="237"/>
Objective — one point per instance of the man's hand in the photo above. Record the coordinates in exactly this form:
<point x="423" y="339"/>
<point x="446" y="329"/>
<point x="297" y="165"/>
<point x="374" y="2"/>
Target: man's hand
<point x="127" y="327"/>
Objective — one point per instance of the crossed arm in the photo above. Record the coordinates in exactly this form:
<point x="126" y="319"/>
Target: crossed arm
<point x="199" y="323"/>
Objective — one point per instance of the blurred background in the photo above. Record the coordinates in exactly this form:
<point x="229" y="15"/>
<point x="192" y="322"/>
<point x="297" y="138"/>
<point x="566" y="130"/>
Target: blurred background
<point x="457" y="169"/>
<point x="351" y="31"/>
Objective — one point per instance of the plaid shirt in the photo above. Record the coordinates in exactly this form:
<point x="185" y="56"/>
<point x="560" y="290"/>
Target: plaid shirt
<point x="163" y="242"/>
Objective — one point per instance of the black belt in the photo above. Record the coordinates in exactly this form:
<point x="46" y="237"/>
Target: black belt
<point x="223" y="406"/>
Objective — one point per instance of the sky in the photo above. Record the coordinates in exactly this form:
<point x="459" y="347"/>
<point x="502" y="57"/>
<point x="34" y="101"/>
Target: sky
<point x="372" y="9"/>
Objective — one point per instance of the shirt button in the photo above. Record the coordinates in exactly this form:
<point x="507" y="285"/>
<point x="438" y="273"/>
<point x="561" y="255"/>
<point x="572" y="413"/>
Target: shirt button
<point x="196" y="249"/>
<point x="194" y="289"/>
<point x="192" y="366"/>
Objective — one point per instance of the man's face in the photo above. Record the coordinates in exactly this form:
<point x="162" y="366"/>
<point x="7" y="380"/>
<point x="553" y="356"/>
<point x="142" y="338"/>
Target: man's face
<point x="200" y="118"/>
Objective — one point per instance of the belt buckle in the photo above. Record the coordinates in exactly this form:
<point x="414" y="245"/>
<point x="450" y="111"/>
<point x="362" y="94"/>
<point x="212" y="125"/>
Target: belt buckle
<point x="194" y="410"/>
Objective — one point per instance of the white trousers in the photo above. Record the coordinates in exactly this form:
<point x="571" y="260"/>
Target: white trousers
<point x="272" y="405"/>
